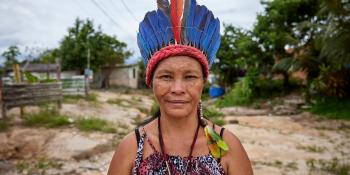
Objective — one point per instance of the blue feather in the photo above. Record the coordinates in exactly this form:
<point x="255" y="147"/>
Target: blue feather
<point x="209" y="34"/>
<point x="165" y="25"/>
<point x="152" y="20"/>
<point x="209" y="19"/>
<point x="148" y="36"/>
<point x="143" y="48"/>
<point x="214" y="45"/>
<point x="189" y="22"/>
<point x="201" y="12"/>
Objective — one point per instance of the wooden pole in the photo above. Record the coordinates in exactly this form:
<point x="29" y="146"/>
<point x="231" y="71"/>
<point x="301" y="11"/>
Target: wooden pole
<point x="17" y="71"/>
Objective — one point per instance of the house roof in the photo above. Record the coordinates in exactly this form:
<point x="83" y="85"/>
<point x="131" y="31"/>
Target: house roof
<point x="40" y="67"/>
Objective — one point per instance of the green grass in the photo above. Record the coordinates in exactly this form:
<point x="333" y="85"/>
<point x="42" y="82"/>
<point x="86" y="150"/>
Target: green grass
<point x="333" y="166"/>
<point x="91" y="97"/>
<point x="333" y="108"/>
<point x="94" y="124"/>
<point x="46" y="118"/>
<point x="119" y="102"/>
<point x="3" y="125"/>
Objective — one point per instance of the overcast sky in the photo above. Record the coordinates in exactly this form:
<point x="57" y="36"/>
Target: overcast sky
<point x="41" y="24"/>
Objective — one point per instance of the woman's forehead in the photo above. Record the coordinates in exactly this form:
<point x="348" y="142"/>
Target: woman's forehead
<point x="179" y="63"/>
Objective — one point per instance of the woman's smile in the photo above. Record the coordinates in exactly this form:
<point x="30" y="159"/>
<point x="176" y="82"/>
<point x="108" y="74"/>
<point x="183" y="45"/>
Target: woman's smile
<point x="177" y="103"/>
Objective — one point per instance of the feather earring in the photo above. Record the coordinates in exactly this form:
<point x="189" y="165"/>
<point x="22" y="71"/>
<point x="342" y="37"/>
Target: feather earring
<point x="217" y="146"/>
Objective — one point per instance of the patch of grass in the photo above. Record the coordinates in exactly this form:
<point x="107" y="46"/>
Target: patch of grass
<point x="38" y="166"/>
<point x="333" y="108"/>
<point x="94" y="124"/>
<point x="91" y="97"/>
<point x="313" y="149"/>
<point x="292" y="166"/>
<point x="46" y="118"/>
<point x="3" y="125"/>
<point x="119" y="102"/>
<point x="333" y="166"/>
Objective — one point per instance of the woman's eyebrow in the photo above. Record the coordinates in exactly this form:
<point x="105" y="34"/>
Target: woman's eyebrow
<point x="191" y="71"/>
<point x="164" y="71"/>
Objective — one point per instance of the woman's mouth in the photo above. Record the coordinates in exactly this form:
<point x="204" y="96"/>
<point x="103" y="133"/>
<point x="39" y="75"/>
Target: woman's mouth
<point x="177" y="103"/>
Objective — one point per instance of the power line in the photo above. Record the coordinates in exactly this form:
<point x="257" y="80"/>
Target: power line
<point x="129" y="11"/>
<point x="106" y="14"/>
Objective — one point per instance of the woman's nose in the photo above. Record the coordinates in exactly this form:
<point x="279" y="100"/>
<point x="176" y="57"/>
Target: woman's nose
<point x="177" y="86"/>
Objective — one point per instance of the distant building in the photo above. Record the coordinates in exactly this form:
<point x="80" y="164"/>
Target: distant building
<point x="117" y="76"/>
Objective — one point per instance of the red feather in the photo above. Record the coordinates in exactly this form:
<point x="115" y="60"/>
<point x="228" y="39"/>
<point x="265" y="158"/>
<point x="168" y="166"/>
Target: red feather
<point x="176" y="13"/>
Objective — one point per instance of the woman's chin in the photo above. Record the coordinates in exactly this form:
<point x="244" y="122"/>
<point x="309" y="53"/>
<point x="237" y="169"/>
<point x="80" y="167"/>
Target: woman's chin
<point x="177" y="113"/>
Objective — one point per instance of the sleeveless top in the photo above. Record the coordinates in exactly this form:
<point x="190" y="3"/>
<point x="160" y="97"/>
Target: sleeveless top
<point x="155" y="163"/>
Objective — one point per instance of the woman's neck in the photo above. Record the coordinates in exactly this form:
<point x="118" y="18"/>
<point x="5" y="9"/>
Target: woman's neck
<point x="175" y="126"/>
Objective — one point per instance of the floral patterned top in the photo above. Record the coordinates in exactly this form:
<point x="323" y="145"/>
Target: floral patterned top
<point x="156" y="164"/>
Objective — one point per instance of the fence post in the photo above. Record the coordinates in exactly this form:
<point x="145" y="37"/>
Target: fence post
<point x="3" y="108"/>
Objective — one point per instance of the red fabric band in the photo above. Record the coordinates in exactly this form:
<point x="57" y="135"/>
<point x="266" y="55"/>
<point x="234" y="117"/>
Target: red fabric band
<point x="175" y="50"/>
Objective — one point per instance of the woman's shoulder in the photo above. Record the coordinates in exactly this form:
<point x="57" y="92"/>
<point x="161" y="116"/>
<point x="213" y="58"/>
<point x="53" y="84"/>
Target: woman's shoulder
<point x="236" y="159"/>
<point x="126" y="151"/>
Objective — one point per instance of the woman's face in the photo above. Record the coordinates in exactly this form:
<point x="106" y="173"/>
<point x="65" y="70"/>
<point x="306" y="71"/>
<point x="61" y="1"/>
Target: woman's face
<point x="177" y="85"/>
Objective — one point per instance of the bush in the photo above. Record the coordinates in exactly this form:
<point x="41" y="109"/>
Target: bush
<point x="94" y="124"/>
<point x="332" y="107"/>
<point x="241" y="94"/>
<point x="214" y="116"/>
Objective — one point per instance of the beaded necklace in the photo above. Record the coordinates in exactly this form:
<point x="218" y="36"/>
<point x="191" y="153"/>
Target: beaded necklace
<point x="162" y="147"/>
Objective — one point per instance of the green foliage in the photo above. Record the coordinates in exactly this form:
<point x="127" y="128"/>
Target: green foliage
<point x="331" y="107"/>
<point x="94" y="124"/>
<point x="213" y="115"/>
<point x="332" y="82"/>
<point x="84" y="41"/>
<point x="238" y="52"/>
<point x="31" y="78"/>
<point x="10" y="55"/>
<point x="154" y="108"/>
<point x="240" y="94"/>
<point x="49" y="118"/>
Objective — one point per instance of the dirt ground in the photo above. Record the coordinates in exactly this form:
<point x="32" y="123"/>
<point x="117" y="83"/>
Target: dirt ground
<point x="299" y="144"/>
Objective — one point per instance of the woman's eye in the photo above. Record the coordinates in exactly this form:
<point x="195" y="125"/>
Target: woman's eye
<point x="165" y="77"/>
<point x="191" y="77"/>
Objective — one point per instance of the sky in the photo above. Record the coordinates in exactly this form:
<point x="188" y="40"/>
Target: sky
<point x="36" y="25"/>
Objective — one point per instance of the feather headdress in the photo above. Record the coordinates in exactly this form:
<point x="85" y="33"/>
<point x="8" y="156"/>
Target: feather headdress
<point x="183" y="25"/>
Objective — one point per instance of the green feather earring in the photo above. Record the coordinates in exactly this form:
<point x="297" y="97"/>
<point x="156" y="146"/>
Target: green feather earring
<point x="217" y="146"/>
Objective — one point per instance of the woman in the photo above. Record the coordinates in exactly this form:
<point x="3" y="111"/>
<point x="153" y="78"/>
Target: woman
<point x="179" y="140"/>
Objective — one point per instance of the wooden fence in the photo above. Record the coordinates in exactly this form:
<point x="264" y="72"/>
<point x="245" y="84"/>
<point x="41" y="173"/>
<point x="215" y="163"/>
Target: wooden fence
<point x="20" y="95"/>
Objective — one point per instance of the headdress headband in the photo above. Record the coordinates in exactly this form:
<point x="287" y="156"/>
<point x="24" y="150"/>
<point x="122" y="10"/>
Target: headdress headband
<point x="179" y="28"/>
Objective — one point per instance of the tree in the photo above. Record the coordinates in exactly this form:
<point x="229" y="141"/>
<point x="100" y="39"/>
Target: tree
<point x="238" y="53"/>
<point x="48" y="56"/>
<point x="10" y="55"/>
<point x="84" y="44"/>
<point x="286" y="31"/>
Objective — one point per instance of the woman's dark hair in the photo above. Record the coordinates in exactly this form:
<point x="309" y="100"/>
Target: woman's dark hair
<point x="155" y="116"/>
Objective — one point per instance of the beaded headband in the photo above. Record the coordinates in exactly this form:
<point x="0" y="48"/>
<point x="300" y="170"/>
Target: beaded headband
<point x="179" y="28"/>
